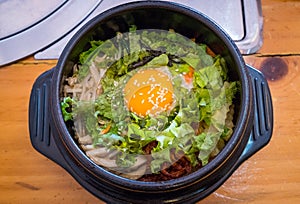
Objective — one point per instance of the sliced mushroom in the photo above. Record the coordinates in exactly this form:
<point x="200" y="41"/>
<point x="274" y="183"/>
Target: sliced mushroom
<point x="113" y="154"/>
<point x="108" y="163"/>
<point x="137" y="173"/>
<point x="140" y="160"/>
<point x="87" y="147"/>
<point x="85" y="140"/>
<point x="98" y="152"/>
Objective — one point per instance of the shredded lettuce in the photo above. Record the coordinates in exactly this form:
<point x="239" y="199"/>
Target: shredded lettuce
<point x="66" y="106"/>
<point x="205" y="104"/>
<point x="84" y="56"/>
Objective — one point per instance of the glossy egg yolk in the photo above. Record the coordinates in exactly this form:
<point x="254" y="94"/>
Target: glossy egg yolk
<point x="149" y="92"/>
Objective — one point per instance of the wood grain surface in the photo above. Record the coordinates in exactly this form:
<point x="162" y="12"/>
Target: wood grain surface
<point x="272" y="175"/>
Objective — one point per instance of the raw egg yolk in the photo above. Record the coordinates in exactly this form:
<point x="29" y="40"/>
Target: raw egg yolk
<point x="149" y="92"/>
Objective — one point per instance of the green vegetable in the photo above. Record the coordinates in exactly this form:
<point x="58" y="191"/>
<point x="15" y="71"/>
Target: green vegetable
<point x="66" y="106"/>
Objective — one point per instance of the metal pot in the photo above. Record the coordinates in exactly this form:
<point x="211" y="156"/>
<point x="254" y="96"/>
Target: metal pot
<point x="253" y="124"/>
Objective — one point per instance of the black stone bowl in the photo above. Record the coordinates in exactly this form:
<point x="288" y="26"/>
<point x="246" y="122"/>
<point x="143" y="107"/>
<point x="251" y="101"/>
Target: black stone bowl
<point x="253" y="108"/>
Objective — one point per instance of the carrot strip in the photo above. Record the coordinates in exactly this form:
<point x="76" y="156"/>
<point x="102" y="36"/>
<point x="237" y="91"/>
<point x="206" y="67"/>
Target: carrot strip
<point x="210" y="52"/>
<point x="106" y="129"/>
<point x="188" y="77"/>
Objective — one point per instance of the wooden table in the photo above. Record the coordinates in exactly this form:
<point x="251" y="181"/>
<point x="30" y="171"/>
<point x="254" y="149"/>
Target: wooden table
<point x="271" y="176"/>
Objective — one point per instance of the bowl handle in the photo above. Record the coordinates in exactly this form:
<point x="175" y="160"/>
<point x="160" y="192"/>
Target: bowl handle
<point x="41" y="134"/>
<point x="263" y="115"/>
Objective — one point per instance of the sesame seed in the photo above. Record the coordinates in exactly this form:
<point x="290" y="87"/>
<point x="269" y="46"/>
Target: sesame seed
<point x="155" y="106"/>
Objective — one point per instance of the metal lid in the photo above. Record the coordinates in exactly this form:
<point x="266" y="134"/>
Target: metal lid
<point x="29" y="26"/>
<point x="43" y="29"/>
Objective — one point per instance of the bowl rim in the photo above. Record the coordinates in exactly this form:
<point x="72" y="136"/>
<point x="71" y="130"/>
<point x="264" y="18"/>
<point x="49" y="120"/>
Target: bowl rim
<point x="243" y="120"/>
